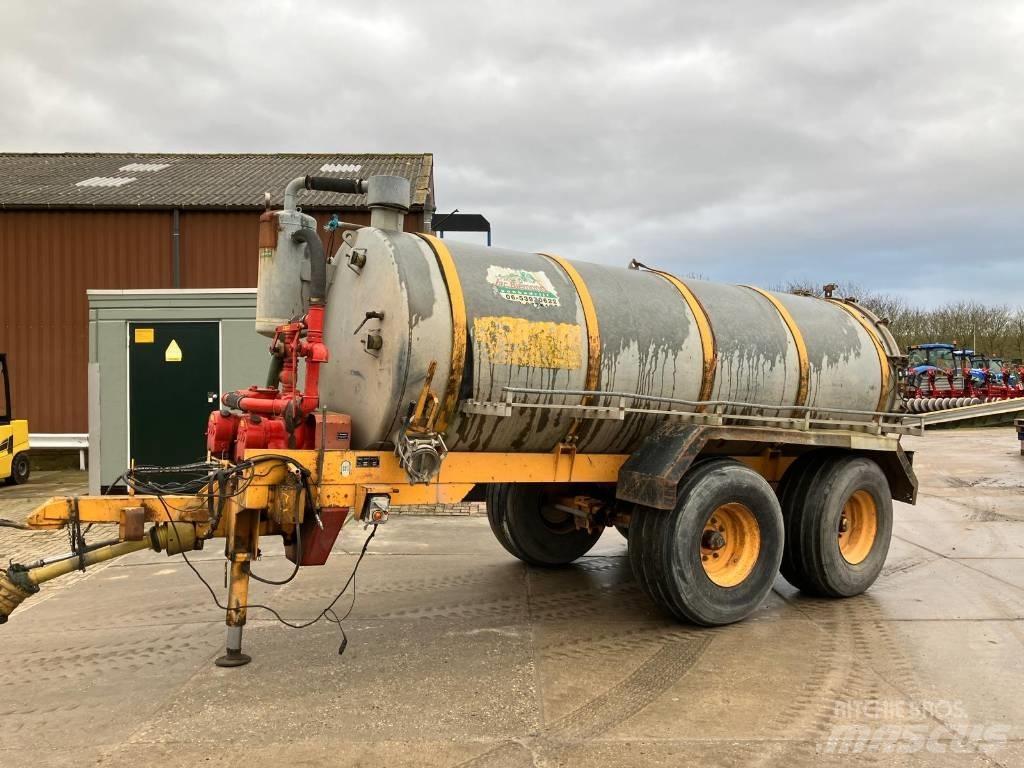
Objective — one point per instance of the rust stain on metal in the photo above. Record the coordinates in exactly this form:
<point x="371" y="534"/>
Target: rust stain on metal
<point x="132" y="523"/>
<point x="459" y="330"/>
<point x="268" y="232"/>
<point x="528" y="343"/>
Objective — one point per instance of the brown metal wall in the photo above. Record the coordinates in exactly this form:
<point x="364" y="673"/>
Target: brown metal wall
<point x="49" y="259"/>
<point x="218" y="249"/>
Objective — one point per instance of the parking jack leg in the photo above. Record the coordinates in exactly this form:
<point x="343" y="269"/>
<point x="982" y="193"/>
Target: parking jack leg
<point x="241" y="547"/>
<point x="234" y="657"/>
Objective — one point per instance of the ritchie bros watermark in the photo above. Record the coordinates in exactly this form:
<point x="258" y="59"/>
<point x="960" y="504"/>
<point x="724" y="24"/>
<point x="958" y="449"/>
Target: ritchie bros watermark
<point x="905" y="727"/>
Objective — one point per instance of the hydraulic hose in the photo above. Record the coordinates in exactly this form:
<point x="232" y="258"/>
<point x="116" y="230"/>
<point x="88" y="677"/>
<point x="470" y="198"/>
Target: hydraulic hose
<point x="274" y="372"/>
<point x="330" y="184"/>
<point x="317" y="263"/>
<point x="321" y="184"/>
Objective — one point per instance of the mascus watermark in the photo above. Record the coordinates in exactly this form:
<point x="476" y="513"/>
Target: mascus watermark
<point x="937" y="726"/>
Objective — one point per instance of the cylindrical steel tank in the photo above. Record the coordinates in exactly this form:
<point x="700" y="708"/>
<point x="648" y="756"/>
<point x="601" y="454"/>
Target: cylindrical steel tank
<point x="490" y="318"/>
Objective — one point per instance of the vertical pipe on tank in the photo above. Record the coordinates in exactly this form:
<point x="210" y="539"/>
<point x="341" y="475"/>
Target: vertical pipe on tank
<point x="388" y="200"/>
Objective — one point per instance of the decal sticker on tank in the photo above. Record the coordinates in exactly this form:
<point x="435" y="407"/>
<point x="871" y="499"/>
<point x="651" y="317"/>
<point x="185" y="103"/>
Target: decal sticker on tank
<point x="528" y="343"/>
<point x="523" y="286"/>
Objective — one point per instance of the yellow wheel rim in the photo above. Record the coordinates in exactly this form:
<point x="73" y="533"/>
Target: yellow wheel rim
<point x="858" y="526"/>
<point x="730" y="544"/>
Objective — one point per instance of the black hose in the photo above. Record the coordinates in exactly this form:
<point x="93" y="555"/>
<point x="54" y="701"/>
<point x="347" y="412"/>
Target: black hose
<point x="274" y="373"/>
<point x="329" y="184"/>
<point x="317" y="263"/>
<point x="233" y="400"/>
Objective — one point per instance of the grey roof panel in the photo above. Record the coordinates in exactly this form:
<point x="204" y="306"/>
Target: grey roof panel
<point x="134" y="180"/>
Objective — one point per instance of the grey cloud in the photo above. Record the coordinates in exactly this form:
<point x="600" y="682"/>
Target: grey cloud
<point x="752" y="141"/>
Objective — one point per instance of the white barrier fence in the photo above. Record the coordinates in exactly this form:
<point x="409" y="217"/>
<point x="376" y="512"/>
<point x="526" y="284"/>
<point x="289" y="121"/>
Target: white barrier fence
<point x="62" y="440"/>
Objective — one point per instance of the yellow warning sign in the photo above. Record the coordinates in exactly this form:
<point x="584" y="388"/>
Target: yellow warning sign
<point x="173" y="352"/>
<point x="143" y="335"/>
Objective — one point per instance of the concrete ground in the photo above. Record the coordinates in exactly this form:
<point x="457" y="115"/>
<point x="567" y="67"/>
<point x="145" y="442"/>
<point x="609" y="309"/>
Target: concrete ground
<point x="460" y="655"/>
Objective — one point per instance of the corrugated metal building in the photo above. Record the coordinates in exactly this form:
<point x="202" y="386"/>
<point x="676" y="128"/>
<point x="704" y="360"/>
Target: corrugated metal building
<point x="74" y="222"/>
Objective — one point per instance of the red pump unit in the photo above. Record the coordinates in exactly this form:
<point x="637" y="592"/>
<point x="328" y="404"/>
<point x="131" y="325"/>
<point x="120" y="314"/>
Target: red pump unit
<point x="279" y="415"/>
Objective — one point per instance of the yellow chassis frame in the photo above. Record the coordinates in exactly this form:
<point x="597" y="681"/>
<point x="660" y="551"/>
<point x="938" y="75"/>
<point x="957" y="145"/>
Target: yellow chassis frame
<point x="349" y="475"/>
<point x="265" y="504"/>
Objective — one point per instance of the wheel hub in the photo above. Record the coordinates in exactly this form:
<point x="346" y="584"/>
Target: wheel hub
<point x="858" y="527"/>
<point x="730" y="544"/>
<point x="712" y="540"/>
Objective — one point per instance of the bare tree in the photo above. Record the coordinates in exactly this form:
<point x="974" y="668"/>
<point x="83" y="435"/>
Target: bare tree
<point x="996" y="330"/>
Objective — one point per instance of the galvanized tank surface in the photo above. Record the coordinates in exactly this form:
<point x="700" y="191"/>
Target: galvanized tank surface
<point x="489" y="318"/>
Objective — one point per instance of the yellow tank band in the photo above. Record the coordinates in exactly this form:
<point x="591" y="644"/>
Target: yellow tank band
<point x="883" y="359"/>
<point x="593" y="380"/>
<point x="709" y="347"/>
<point x="798" y="339"/>
<point x="450" y="400"/>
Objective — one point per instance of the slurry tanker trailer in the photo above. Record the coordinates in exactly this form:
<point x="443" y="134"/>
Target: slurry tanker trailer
<point x="728" y="430"/>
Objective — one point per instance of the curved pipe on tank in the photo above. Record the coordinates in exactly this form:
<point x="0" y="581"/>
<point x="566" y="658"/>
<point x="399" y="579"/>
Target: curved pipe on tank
<point x="317" y="264"/>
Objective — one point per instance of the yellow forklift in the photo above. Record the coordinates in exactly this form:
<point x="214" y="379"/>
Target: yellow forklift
<point x="14" y="467"/>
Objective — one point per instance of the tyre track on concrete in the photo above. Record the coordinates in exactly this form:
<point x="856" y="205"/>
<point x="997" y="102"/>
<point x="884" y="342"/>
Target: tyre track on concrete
<point x="805" y="716"/>
<point x="875" y="638"/>
<point x="622" y="701"/>
<point x="625" y="699"/>
<point x="607" y="644"/>
<point x="571" y="604"/>
<point x="850" y="676"/>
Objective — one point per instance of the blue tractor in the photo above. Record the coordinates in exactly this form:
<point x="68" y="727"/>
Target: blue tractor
<point x="933" y="356"/>
<point x="934" y="369"/>
<point x="985" y="368"/>
<point x="963" y="358"/>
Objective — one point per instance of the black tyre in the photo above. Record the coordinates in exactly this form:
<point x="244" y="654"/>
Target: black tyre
<point x="494" y="499"/>
<point x="20" y="469"/>
<point x="838" y="515"/>
<point x="526" y="523"/>
<point x="792" y="487"/>
<point x="642" y="521"/>
<point x="713" y="558"/>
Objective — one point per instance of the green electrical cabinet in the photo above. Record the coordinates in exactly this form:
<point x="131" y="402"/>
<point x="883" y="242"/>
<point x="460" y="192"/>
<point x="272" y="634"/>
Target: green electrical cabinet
<point x="158" y="362"/>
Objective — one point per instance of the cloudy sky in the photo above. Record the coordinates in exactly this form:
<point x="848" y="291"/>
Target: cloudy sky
<point x="754" y="141"/>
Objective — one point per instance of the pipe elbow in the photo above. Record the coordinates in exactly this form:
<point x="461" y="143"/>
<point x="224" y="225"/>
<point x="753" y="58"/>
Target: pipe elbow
<point x="291" y="192"/>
